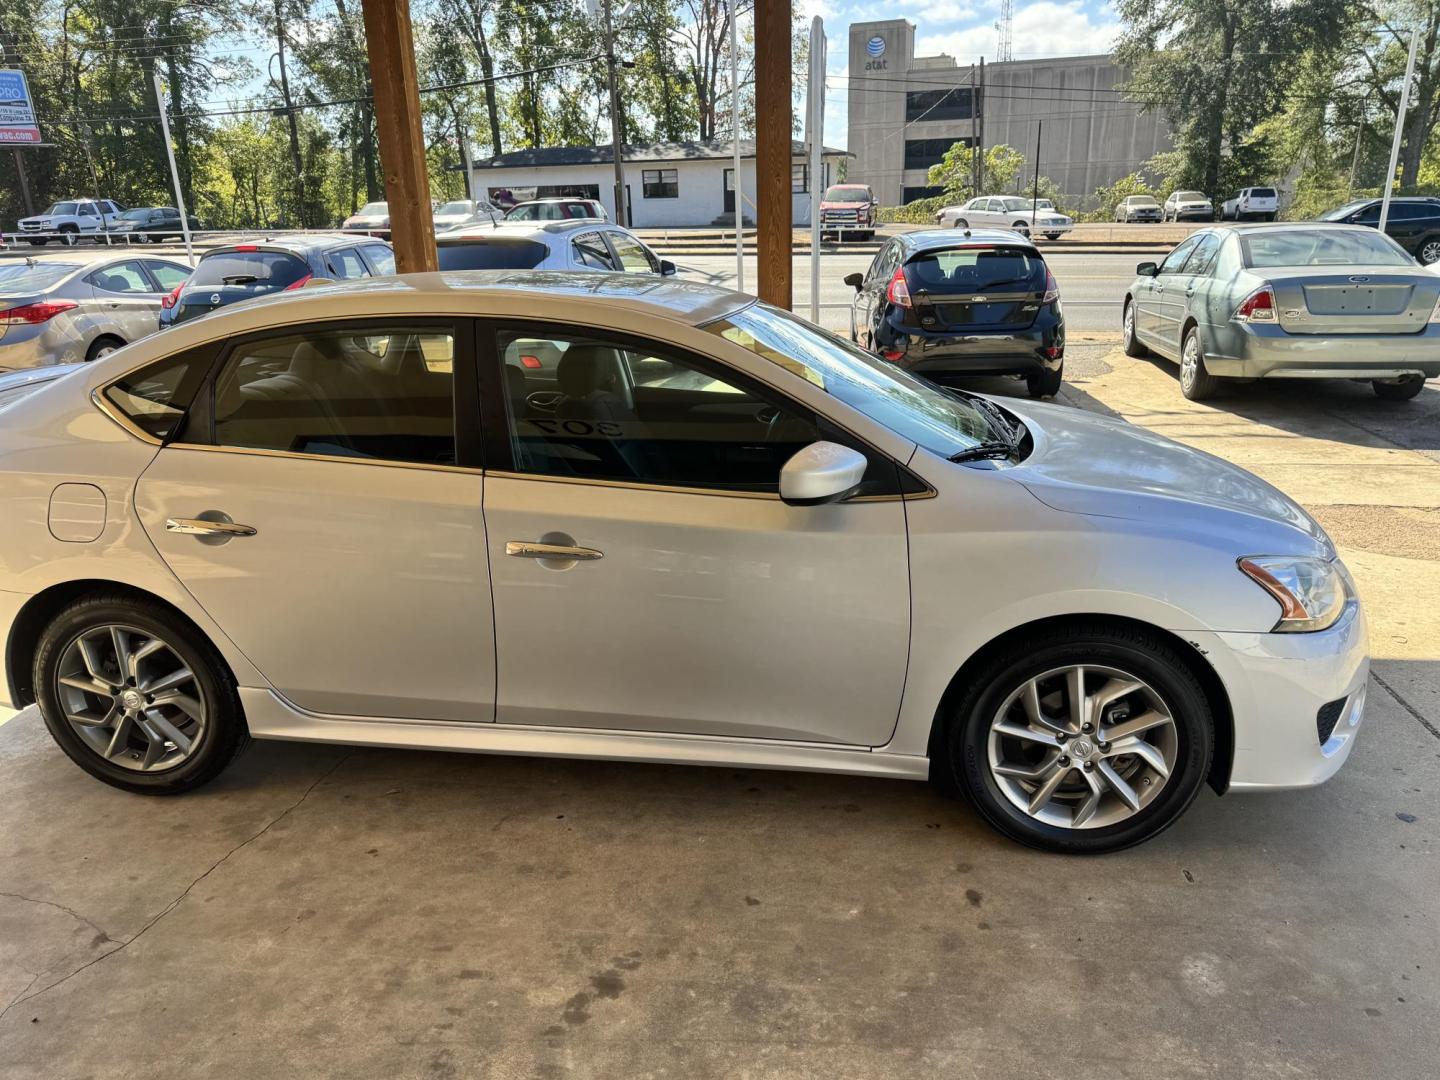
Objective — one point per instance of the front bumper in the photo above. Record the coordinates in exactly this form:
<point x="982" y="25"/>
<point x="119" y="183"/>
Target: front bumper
<point x="1195" y="213"/>
<point x="1278" y="685"/>
<point x="1259" y="351"/>
<point x="1142" y="216"/>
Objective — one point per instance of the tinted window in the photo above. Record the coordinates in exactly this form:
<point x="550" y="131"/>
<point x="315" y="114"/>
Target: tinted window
<point x="1263" y="192"/>
<point x="126" y="277"/>
<point x="937" y="105"/>
<point x="381" y="258"/>
<point x="382" y="394"/>
<point x="261" y="269"/>
<point x="974" y="270"/>
<point x="155" y="398"/>
<point x="590" y="250"/>
<point x="846" y="195"/>
<point x="488" y="254"/>
<point x="1321" y="247"/>
<point x="633" y="255"/>
<point x="1414" y="211"/>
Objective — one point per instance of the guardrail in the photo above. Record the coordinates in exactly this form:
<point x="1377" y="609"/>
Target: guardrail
<point x="203" y="239"/>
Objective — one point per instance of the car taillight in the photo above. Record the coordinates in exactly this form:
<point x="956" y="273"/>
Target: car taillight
<point x="170" y="299"/>
<point x="40" y="312"/>
<point x="1052" y="288"/>
<point x="298" y="283"/>
<point x="898" y="292"/>
<point x="245" y="247"/>
<point x="1259" y="306"/>
<point x="531" y="362"/>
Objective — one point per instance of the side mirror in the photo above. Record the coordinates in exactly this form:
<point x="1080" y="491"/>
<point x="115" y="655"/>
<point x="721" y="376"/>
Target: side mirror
<point x="668" y="268"/>
<point x="1147" y="269"/>
<point x="822" y="472"/>
<point x="855" y="280"/>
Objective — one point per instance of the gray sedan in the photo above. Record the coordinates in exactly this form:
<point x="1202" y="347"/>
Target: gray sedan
<point x="1299" y="301"/>
<point x="66" y="311"/>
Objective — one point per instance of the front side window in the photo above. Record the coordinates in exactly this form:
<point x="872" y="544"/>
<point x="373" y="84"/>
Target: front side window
<point x="347" y="264"/>
<point x="155" y="398"/>
<point x="634" y="256"/>
<point x="661" y="183"/>
<point x="381" y="393"/>
<point x="381" y="257"/>
<point x="1202" y="256"/>
<point x="589" y="250"/>
<point x="1176" y="259"/>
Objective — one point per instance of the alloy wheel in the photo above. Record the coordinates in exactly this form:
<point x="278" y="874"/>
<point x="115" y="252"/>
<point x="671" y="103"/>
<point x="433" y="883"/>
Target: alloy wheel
<point x="1430" y="252"/>
<point x="1190" y="361"/>
<point x="1128" y="327"/>
<point x="1082" y="746"/>
<point x="130" y="697"/>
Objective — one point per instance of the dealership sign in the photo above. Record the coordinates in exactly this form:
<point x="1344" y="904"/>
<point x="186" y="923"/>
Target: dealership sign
<point x="17" y="114"/>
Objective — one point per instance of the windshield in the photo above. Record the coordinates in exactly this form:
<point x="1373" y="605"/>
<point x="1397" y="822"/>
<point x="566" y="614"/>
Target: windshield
<point x="1044" y="204"/>
<point x="490" y="254"/>
<point x="373" y="209"/>
<point x="1342" y="212"/>
<point x="1322" y="247"/>
<point x="61" y="208"/>
<point x="24" y="277"/>
<point x="1141" y="200"/>
<point x="135" y="215"/>
<point x="847" y="194"/>
<point x="460" y="207"/>
<point x="908" y="406"/>
<point x="1190" y="196"/>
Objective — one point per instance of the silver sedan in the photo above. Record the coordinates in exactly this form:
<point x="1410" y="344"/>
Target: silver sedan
<point x="724" y="537"/>
<point x="66" y="311"/>
<point x="1288" y="301"/>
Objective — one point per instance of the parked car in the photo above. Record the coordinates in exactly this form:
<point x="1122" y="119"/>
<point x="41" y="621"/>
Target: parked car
<point x="153" y="223"/>
<point x="70" y="220"/>
<point x="65" y="312"/>
<point x="459" y="213"/>
<point x="236" y="272"/>
<point x="688" y="556"/>
<point x="585" y="244"/>
<point x="1413" y="223"/>
<point x="16" y="385"/>
<point x="1257" y="203"/>
<point x="1188" y="206"/>
<point x="372" y="219"/>
<point x="1304" y="300"/>
<point x="557" y="210"/>
<point x="1004" y="212"/>
<point x="945" y="307"/>
<point x="1134" y="208"/>
<point x="849" y="208"/>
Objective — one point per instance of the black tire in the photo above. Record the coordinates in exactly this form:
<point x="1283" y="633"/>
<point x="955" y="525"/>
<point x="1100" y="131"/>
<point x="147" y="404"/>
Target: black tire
<point x="961" y="223"/>
<point x="1197" y="384"/>
<point x="1052" y="236"/>
<point x="1133" y="347"/>
<point x="225" y="735"/>
<point x="1403" y="390"/>
<point x="1022" y="228"/>
<point x="69" y="235"/>
<point x="961" y="754"/>
<point x="105" y="343"/>
<point x="1043" y="384"/>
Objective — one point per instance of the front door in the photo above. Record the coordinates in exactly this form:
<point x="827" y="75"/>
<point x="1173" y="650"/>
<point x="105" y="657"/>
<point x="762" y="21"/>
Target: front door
<point x="1151" y="314"/>
<point x="315" y="506"/>
<point x="729" y="191"/>
<point x="647" y="576"/>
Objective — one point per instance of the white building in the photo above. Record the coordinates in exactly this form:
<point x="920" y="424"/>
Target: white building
<point x="666" y="184"/>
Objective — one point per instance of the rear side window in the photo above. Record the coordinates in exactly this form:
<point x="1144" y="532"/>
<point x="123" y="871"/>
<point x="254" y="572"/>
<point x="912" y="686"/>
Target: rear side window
<point x="155" y="398"/>
<point x="264" y="269"/>
<point x="974" y="270"/>
<point x="492" y="255"/>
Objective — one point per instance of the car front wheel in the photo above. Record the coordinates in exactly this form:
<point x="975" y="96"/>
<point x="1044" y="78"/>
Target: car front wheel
<point x="1429" y="252"/>
<point x="1081" y="739"/>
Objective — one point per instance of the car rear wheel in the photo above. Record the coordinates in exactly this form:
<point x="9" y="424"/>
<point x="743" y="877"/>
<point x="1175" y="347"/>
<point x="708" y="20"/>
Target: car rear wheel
<point x="103" y="346"/>
<point x="1052" y="236"/>
<point x="1081" y="739"/>
<point x="1196" y="383"/>
<point x="1403" y="390"/>
<point x="136" y="696"/>
<point x="1043" y="384"/>
<point x="1127" y="323"/>
<point x="1429" y="252"/>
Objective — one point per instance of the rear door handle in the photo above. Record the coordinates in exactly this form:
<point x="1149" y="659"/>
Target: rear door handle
<point x="524" y="549"/>
<point x="201" y="527"/>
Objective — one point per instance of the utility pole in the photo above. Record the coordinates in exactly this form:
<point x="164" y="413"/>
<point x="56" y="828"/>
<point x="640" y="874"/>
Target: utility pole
<point x="1355" y="158"/>
<point x="25" y="196"/>
<point x="1035" y="202"/>
<point x="974" y="142"/>
<point x="174" y="173"/>
<point x="290" y="116"/>
<point x="1399" y="129"/>
<point x="621" y="217"/>
<point x="774" y="224"/>
<point x="736" y="185"/>
<point x="980" y="156"/>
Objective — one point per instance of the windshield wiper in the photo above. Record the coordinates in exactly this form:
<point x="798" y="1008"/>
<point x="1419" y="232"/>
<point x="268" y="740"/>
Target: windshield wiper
<point x="983" y="451"/>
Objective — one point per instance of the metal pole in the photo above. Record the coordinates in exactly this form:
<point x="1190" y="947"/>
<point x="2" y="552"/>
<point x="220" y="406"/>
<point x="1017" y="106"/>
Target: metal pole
<point x="739" y="188"/>
<point x="621" y="218"/>
<point x="174" y="176"/>
<point x="980" y="160"/>
<point x="465" y="158"/>
<point x="1399" y="129"/>
<point x="95" y="184"/>
<point x="815" y="127"/>
<point x="974" y="132"/>
<point x="1035" y="201"/>
<point x="1355" y="158"/>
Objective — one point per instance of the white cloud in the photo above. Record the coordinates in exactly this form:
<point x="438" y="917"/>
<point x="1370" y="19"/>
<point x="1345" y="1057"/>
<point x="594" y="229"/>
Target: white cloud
<point x="1047" y="28"/>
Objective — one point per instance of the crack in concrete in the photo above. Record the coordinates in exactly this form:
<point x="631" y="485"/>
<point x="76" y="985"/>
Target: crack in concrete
<point x="173" y="904"/>
<point x="1420" y="719"/>
<point x="59" y="907"/>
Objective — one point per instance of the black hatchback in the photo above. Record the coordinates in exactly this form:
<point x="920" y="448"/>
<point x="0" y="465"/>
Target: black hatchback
<point x="235" y="272"/>
<point x="1413" y="222"/>
<point x="947" y="304"/>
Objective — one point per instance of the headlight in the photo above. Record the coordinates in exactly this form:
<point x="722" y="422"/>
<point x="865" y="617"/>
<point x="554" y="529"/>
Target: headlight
<point x="1312" y="593"/>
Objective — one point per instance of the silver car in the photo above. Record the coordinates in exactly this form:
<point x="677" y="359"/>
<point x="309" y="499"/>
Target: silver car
<point x="576" y="244"/>
<point x="1293" y="301"/>
<point x="62" y="312"/>
<point x="459" y="213"/>
<point x="727" y="538"/>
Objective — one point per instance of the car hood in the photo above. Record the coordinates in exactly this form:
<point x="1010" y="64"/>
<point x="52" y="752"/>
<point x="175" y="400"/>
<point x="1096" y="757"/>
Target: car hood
<point x="1088" y="464"/>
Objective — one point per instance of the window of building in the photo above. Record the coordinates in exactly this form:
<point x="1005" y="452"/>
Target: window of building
<point x="661" y="183"/>
<point x="953" y="104"/>
<point x="567" y="191"/>
<point x="799" y="179"/>
<point x="922" y="153"/>
<point x="910" y="194"/>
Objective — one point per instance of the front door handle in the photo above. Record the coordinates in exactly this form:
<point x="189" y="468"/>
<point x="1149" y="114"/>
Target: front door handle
<point x="524" y="549"/>
<point x="201" y="527"/>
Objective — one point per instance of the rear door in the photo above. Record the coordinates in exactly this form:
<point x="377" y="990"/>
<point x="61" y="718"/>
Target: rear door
<point x="1195" y="283"/>
<point x="973" y="288"/>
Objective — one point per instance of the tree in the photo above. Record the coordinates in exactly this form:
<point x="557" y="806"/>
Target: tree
<point x="1004" y="170"/>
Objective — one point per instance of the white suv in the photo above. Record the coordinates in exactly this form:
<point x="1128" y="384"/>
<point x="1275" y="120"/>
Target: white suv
<point x="1261" y="203"/>
<point x="67" y="221"/>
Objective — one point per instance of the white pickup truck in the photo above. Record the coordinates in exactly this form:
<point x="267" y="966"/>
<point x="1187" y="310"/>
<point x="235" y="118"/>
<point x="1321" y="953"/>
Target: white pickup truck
<point x="68" y="221"/>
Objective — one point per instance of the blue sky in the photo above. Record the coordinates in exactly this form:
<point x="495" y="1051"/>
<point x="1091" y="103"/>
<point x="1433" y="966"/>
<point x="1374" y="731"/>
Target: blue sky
<point x="965" y="31"/>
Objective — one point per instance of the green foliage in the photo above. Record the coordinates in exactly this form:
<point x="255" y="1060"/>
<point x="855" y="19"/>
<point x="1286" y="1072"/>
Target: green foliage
<point x="919" y="212"/>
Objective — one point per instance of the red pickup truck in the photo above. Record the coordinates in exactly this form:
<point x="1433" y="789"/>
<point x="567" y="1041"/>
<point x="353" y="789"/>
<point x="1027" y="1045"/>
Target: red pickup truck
<point x="848" y="208"/>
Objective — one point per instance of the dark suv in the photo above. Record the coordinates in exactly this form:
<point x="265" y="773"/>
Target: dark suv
<point x="226" y="275"/>
<point x="1414" y="223"/>
<point x="945" y="304"/>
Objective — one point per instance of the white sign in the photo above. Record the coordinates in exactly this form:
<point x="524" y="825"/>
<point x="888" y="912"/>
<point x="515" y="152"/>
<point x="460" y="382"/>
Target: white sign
<point x="17" y="114"/>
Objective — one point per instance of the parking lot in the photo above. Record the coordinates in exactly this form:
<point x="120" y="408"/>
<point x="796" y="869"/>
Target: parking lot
<point x="321" y="911"/>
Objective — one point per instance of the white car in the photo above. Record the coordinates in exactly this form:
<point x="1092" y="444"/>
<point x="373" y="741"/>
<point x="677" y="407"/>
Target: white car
<point x="726" y="537"/>
<point x="70" y="220"/>
<point x="461" y="213"/>
<point x="1252" y="203"/>
<point x="1136" y="208"/>
<point x="1187" y="206"/>
<point x="1005" y="212"/>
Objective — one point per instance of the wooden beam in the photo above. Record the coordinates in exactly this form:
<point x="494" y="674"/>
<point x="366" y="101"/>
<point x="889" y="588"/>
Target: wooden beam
<point x="391" y="46"/>
<point x="774" y="215"/>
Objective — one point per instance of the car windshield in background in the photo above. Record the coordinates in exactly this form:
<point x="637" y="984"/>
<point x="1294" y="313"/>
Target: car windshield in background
<point x="373" y="209"/>
<point x="61" y="208"/>
<point x="913" y="408"/>
<point x="456" y="208"/>
<point x="27" y="277"/>
<point x="855" y="195"/>
<point x="1141" y="200"/>
<point x="1321" y="247"/>
<point x="1342" y="212"/>
<point x="1190" y="196"/>
<point x="261" y="269"/>
<point x="970" y="270"/>
<point x="489" y="254"/>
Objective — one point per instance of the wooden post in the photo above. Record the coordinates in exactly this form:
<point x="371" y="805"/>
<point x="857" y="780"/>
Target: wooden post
<point x="773" y="151"/>
<point x="402" y="143"/>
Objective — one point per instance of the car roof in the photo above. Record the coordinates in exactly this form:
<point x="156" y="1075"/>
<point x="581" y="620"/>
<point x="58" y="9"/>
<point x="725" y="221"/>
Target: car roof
<point x="1284" y="226"/>
<point x="297" y="245"/>
<point x="932" y="239"/>
<point x="532" y="229"/>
